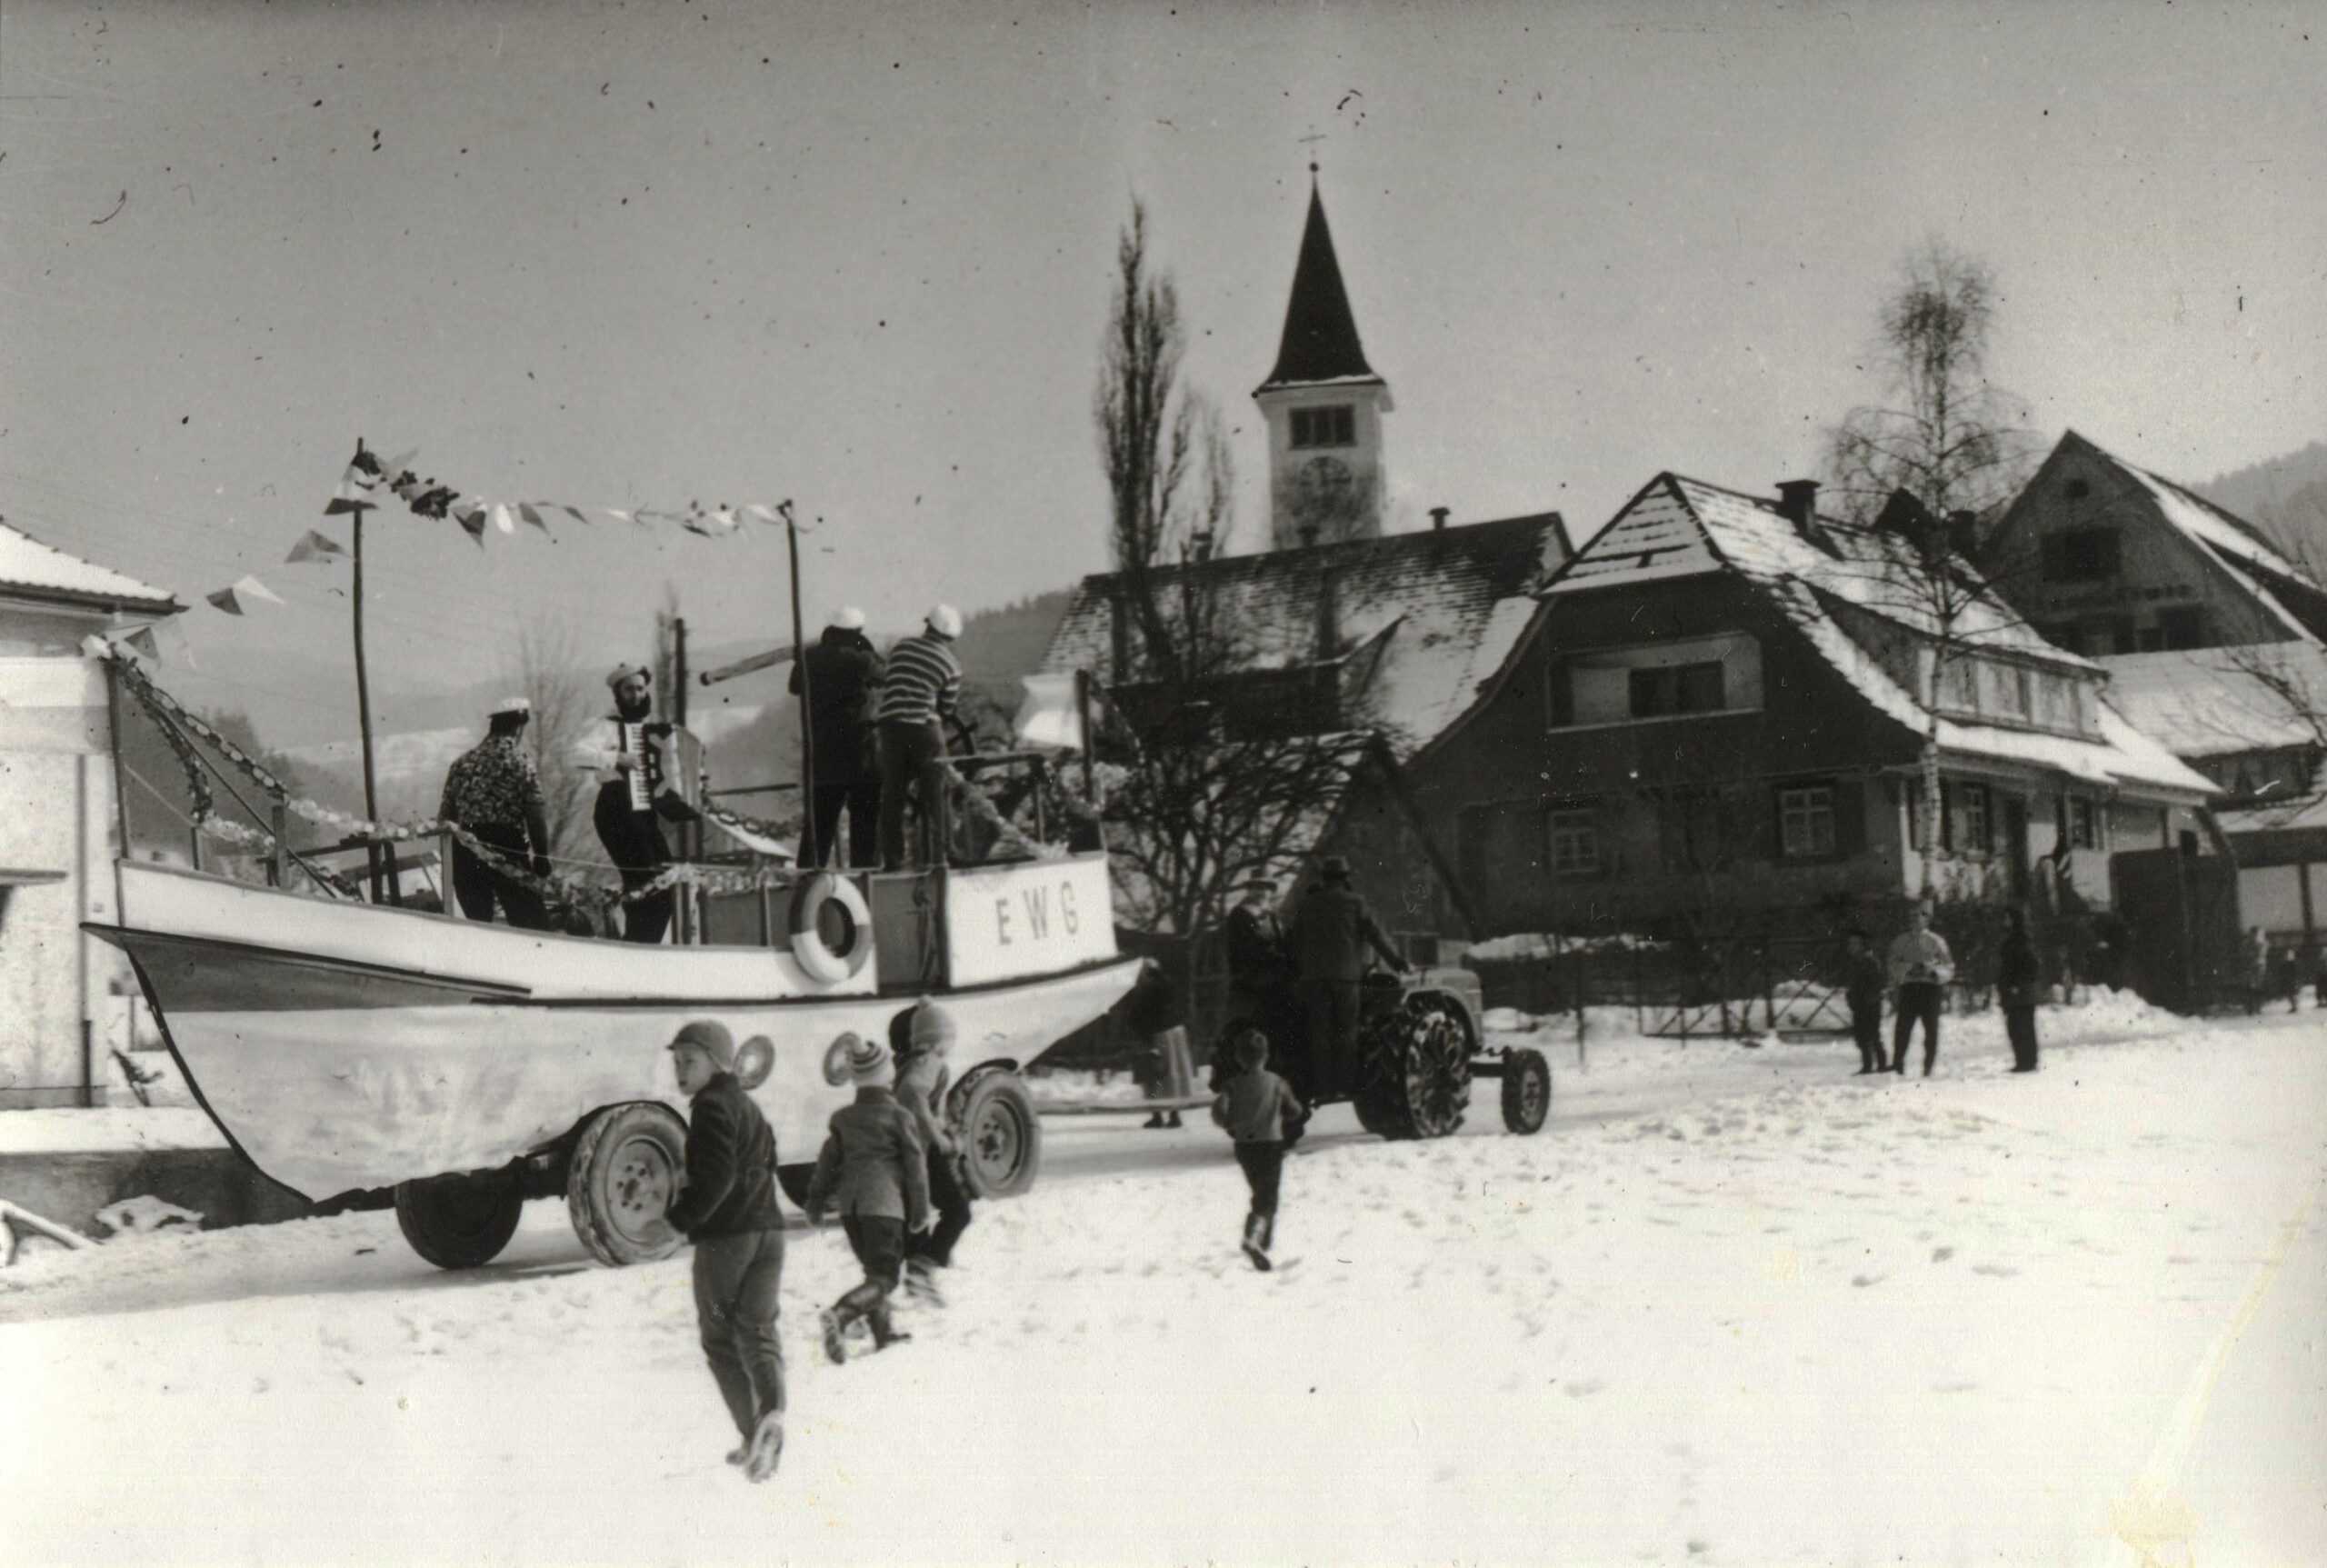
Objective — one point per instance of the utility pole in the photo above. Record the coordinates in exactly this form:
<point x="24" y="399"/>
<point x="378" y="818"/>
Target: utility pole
<point x="363" y="708"/>
<point x="799" y="666"/>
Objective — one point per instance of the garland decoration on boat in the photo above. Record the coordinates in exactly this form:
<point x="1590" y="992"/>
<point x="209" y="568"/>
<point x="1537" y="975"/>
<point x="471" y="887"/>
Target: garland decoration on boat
<point x="1005" y="829"/>
<point x="169" y="715"/>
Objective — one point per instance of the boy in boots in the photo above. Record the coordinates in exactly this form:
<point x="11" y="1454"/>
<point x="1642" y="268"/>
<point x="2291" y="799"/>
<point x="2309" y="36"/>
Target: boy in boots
<point x="1862" y="988"/>
<point x="920" y="1038"/>
<point x="1265" y="1117"/>
<point x="728" y="1209"/>
<point x="873" y="1168"/>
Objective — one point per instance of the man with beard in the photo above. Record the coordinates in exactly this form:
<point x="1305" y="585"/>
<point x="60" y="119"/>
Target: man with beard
<point x="626" y="752"/>
<point x="841" y="673"/>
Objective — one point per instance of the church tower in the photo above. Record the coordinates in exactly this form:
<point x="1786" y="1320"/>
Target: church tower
<point x="1323" y="406"/>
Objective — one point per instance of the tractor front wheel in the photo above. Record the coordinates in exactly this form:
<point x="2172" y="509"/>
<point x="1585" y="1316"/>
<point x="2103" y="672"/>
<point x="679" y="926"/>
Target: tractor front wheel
<point x="1526" y="1091"/>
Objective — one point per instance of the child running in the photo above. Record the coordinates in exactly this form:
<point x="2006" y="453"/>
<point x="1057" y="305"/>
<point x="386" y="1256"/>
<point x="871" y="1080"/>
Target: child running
<point x="1265" y="1117"/>
<point x="873" y="1169"/>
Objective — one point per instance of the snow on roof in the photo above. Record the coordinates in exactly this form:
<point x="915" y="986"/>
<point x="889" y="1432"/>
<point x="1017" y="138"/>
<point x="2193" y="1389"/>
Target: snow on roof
<point x="27" y="563"/>
<point x="2211" y="701"/>
<point x="2276" y="816"/>
<point x="1680" y="528"/>
<point x="2227" y="533"/>
<point x="1448" y="606"/>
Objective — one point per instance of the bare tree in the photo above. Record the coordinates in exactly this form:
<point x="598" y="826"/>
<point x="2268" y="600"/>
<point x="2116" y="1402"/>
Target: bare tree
<point x="2291" y="687"/>
<point x="1945" y="434"/>
<point x="546" y="665"/>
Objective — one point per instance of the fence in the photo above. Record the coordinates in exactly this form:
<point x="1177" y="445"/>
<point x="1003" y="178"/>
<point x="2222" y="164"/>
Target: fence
<point x="1792" y="986"/>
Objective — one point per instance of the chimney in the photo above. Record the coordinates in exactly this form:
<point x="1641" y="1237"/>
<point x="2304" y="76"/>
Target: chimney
<point x="1438" y="518"/>
<point x="1798" y="500"/>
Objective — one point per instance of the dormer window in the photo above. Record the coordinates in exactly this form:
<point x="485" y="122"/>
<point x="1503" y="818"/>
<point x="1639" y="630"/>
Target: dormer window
<point x="1333" y="426"/>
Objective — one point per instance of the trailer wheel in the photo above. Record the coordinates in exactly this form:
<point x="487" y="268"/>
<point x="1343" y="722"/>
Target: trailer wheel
<point x="1000" y="1138"/>
<point x="626" y="1166"/>
<point x="461" y="1221"/>
<point x="1415" y="1080"/>
<point x="1526" y="1091"/>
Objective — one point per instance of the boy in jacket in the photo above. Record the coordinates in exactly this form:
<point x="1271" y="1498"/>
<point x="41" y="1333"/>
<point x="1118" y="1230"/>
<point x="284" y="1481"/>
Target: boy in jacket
<point x="1265" y="1117"/>
<point x="919" y="1039"/>
<point x="728" y="1209"/>
<point x="873" y="1168"/>
<point x="1862" y="989"/>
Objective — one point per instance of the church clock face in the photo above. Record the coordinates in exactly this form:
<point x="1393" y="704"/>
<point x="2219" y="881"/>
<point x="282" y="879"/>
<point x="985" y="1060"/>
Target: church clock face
<point x="1324" y="481"/>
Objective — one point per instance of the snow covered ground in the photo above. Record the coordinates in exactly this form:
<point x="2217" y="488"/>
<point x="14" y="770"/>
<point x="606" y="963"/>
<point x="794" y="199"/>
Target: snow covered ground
<point x="1733" y="1306"/>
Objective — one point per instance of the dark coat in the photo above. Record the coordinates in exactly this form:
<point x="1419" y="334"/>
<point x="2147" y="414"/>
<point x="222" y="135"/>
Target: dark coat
<point x="1256" y="956"/>
<point x="1331" y="931"/>
<point x="1864" y="984"/>
<point x="1259" y="1107"/>
<point x="844" y="672"/>
<point x="731" y="1165"/>
<point x="872" y="1164"/>
<point x="2016" y="971"/>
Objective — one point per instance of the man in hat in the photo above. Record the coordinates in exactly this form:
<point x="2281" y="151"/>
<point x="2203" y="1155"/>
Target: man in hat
<point x="837" y="678"/>
<point x="1260" y="972"/>
<point x="626" y="752"/>
<point x="1331" y="931"/>
<point x="920" y="689"/>
<point x="728" y="1209"/>
<point x="493" y="793"/>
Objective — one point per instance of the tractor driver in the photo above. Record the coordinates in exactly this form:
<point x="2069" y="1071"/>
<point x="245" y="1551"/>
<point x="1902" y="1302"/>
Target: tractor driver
<point x="1331" y="931"/>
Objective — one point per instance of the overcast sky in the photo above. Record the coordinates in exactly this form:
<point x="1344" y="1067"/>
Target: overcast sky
<point x="858" y="256"/>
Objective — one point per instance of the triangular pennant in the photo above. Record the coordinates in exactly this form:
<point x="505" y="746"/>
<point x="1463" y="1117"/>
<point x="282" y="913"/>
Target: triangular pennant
<point x="617" y="511"/>
<point x="141" y="640"/>
<point x="573" y="511"/>
<point x="764" y="512"/>
<point x="525" y="510"/>
<point x="315" y="547"/>
<point x="499" y="515"/>
<point x="343" y="504"/>
<point x="400" y="462"/>
<point x="225" y="599"/>
<point x="256" y="590"/>
<point x="472" y="519"/>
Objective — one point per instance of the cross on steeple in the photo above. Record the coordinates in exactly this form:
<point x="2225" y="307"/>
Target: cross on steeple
<point x="1310" y="141"/>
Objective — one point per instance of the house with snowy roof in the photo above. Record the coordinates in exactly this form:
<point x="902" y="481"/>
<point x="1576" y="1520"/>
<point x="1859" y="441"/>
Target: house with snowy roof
<point x="1715" y="701"/>
<point x="2103" y="557"/>
<point x="2215" y="642"/>
<point x="65" y="999"/>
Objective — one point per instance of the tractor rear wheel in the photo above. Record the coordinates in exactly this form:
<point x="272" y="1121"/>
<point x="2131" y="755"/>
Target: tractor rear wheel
<point x="626" y="1166"/>
<point x="1416" y="1081"/>
<point x="461" y="1221"/>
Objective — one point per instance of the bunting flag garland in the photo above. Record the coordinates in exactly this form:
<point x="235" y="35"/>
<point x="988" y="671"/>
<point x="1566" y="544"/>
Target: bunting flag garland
<point x="315" y="547"/>
<point x="225" y="599"/>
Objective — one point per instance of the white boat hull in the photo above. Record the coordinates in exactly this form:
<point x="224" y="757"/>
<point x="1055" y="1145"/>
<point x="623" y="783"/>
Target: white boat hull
<point x="344" y="1047"/>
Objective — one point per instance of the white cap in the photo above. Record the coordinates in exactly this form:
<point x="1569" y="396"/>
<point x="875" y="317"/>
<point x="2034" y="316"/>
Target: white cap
<point x="945" y="620"/>
<point x="512" y="705"/>
<point x="848" y="618"/>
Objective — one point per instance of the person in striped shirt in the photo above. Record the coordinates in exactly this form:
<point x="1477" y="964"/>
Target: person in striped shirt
<point x="919" y="689"/>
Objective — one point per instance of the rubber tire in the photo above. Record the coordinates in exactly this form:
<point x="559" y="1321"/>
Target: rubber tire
<point x="461" y="1221"/>
<point x="1526" y="1091"/>
<point x="1416" y="1081"/>
<point x="626" y="1166"/>
<point x="1000" y="1138"/>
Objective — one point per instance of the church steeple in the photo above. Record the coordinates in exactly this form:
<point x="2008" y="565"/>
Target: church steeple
<point x="1320" y="341"/>
<point x="1323" y="404"/>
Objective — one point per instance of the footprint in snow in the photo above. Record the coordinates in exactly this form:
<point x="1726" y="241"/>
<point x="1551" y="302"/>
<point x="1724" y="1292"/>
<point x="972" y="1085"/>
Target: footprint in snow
<point x="1998" y="1270"/>
<point x="1941" y="1255"/>
<point x="1579" y="1390"/>
<point x="1863" y="1281"/>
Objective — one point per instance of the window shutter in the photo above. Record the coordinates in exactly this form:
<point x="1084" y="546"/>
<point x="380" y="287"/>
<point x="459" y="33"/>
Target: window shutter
<point x="1850" y="817"/>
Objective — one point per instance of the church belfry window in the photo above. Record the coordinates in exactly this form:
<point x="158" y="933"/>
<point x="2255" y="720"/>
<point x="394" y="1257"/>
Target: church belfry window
<point x="1333" y="426"/>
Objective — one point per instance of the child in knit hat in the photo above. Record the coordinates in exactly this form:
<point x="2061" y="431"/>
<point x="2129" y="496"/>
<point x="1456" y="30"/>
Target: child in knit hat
<point x="920" y="1036"/>
<point x="873" y="1171"/>
<point x="1265" y="1117"/>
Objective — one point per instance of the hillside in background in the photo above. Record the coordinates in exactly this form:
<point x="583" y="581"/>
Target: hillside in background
<point x="2286" y="497"/>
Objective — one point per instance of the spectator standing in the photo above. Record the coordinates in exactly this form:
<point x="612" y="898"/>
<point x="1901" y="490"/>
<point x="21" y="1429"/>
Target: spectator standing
<point x="873" y="1168"/>
<point x="1331" y="933"/>
<point x="493" y="793"/>
<point x="1158" y="1013"/>
<point x="1265" y="1118"/>
<point x="1862" y="989"/>
<point x="728" y="1209"/>
<point x="1261" y="982"/>
<point x="2017" y="981"/>
<point x="842" y="674"/>
<point x="920" y="689"/>
<point x="1921" y="967"/>
<point x="921" y="1037"/>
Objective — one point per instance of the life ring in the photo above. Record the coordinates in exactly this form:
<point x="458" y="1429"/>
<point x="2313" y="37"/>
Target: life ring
<point x="806" y="927"/>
